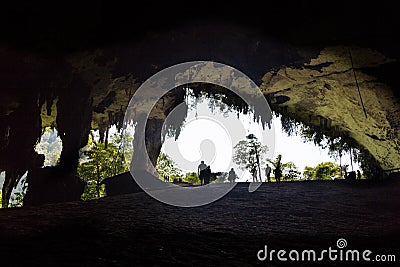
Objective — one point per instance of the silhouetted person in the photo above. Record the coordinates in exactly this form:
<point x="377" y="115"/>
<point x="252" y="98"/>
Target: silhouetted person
<point x="166" y="178"/>
<point x="268" y="173"/>
<point x="278" y="174"/>
<point x="358" y="174"/>
<point x="200" y="171"/>
<point x="232" y="176"/>
<point x="351" y="175"/>
<point x="207" y="175"/>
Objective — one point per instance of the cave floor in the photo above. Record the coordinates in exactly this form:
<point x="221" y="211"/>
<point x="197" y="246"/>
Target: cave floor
<point x="136" y="230"/>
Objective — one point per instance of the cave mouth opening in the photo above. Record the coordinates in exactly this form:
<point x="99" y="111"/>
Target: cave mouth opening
<point x="337" y="142"/>
<point x="201" y="121"/>
<point x="210" y="124"/>
<point x="105" y="155"/>
<point x="184" y="143"/>
<point x="49" y="145"/>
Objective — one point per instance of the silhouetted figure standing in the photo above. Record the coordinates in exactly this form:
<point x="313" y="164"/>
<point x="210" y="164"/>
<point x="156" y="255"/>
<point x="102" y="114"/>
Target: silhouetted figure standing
<point x="207" y="175"/>
<point x="268" y="173"/>
<point x="166" y="178"/>
<point x="232" y="176"/>
<point x="278" y="174"/>
<point x="200" y="171"/>
<point x="358" y="175"/>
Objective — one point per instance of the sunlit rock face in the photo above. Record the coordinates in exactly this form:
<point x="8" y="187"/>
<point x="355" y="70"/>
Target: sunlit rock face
<point x="324" y="91"/>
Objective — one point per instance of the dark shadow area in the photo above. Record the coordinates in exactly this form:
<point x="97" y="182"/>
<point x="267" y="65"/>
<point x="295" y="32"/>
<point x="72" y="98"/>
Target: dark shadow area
<point x="137" y="230"/>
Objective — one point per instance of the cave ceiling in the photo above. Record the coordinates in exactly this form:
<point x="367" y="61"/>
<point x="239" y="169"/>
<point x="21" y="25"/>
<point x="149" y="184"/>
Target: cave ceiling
<point x="298" y="53"/>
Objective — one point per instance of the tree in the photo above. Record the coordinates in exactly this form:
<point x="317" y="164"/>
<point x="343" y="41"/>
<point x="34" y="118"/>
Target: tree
<point x="17" y="198"/>
<point x="101" y="162"/>
<point x="309" y="173"/>
<point x="336" y="148"/>
<point x="222" y="177"/>
<point x="277" y="166"/>
<point x="249" y="153"/>
<point x="166" y="167"/>
<point x="323" y="171"/>
<point x="290" y="172"/>
<point x="192" y="177"/>
<point x="327" y="171"/>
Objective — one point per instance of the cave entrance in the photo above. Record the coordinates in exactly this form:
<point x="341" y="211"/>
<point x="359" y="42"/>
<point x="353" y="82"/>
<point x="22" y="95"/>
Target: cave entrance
<point x="315" y="155"/>
<point x="50" y="145"/>
<point x="202" y="135"/>
<point x="207" y="126"/>
<point x="209" y="122"/>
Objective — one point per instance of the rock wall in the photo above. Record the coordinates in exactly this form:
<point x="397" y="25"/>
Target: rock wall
<point x="325" y="88"/>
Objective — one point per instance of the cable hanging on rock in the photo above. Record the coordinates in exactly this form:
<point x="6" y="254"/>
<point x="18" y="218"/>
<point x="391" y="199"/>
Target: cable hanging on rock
<point x="358" y="87"/>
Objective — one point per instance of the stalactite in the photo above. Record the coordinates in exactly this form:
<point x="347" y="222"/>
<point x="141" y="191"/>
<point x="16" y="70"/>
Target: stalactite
<point x="106" y="137"/>
<point x="74" y="116"/>
<point x="17" y="154"/>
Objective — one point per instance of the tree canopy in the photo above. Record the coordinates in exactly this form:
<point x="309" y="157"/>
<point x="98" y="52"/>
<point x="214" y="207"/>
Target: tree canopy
<point x="250" y="153"/>
<point x="289" y="170"/>
<point x="323" y="171"/>
<point x="99" y="161"/>
<point x="166" y="167"/>
<point x="338" y="142"/>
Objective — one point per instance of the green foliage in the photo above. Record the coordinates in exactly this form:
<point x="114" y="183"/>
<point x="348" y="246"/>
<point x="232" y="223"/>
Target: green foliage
<point x="345" y="144"/>
<point x="327" y="171"/>
<point x="222" y="177"/>
<point x="369" y="165"/>
<point x="101" y="161"/>
<point x="1" y="200"/>
<point x="337" y="147"/>
<point x="17" y="200"/>
<point x="289" y="125"/>
<point x="249" y="153"/>
<point x="338" y="143"/>
<point x="323" y="171"/>
<point x="192" y="177"/>
<point x="314" y="134"/>
<point x="309" y="173"/>
<point x="218" y="98"/>
<point x="166" y="167"/>
<point x="289" y="170"/>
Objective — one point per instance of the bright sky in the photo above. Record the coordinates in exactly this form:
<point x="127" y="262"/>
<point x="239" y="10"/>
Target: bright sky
<point x="211" y="137"/>
<point x="302" y="153"/>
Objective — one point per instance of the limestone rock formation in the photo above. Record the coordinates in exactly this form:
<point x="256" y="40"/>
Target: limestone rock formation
<point x="325" y="90"/>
